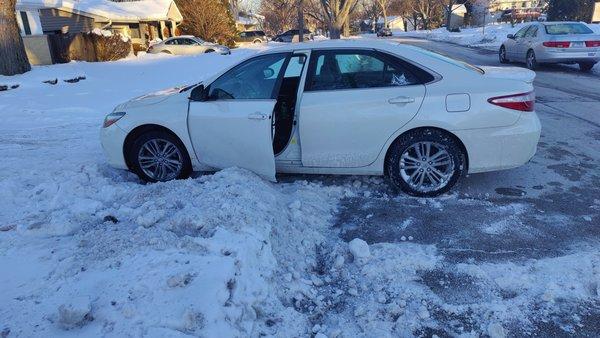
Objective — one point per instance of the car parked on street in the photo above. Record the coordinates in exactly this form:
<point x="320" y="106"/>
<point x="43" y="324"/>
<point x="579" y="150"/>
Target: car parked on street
<point x="553" y="42"/>
<point x="250" y="37"/>
<point x="384" y="32"/>
<point x="186" y="45"/>
<point x="288" y="36"/>
<point x="334" y="107"/>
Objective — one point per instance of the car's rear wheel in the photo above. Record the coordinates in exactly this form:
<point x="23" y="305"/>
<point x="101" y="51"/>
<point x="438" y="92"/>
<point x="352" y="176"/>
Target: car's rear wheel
<point x="425" y="162"/>
<point x="158" y="156"/>
<point x="502" y="55"/>
<point x="586" y="66"/>
<point x="209" y="51"/>
<point x="531" y="61"/>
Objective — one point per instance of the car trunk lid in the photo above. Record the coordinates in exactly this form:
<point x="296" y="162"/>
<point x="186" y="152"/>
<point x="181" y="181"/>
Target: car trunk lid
<point x="509" y="73"/>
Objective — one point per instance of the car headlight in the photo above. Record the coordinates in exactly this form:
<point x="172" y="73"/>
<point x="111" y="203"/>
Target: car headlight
<point x="111" y="118"/>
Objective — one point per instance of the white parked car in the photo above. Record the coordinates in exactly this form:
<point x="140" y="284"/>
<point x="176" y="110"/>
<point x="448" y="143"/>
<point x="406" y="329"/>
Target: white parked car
<point x="186" y="45"/>
<point x="334" y="107"/>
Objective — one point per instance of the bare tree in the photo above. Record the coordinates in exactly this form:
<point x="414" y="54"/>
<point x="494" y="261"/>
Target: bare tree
<point x="279" y="15"/>
<point x="13" y="59"/>
<point x="209" y="19"/>
<point x="300" y="19"/>
<point x="449" y="7"/>
<point x="384" y="5"/>
<point x="337" y="12"/>
<point x="426" y="12"/>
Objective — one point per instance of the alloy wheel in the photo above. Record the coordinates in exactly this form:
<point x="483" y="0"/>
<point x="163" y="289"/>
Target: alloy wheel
<point x="160" y="159"/>
<point x="426" y="166"/>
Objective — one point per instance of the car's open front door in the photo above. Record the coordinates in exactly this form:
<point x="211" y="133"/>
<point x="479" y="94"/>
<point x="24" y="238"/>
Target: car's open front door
<point x="230" y="120"/>
<point x="234" y="133"/>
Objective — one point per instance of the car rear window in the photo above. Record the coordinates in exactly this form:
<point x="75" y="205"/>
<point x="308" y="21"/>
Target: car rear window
<point x="568" y="28"/>
<point x="448" y="60"/>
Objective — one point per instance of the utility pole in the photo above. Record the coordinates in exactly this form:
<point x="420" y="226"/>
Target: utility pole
<point x="300" y="20"/>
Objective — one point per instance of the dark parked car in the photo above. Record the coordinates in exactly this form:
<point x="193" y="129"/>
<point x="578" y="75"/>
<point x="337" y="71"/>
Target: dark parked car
<point x="384" y="32"/>
<point x="250" y="37"/>
<point x="289" y="36"/>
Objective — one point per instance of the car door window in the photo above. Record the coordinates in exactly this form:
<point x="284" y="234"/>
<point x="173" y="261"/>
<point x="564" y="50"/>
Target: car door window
<point x="334" y="70"/>
<point x="254" y="79"/>
<point x="532" y="32"/>
<point x="521" y="33"/>
<point x="171" y="42"/>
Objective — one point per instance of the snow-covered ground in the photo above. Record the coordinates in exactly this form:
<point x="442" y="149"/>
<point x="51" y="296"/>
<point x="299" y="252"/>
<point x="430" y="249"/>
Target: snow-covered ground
<point x="87" y="251"/>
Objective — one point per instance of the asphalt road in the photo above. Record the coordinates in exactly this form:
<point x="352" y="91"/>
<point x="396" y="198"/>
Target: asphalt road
<point x="547" y="208"/>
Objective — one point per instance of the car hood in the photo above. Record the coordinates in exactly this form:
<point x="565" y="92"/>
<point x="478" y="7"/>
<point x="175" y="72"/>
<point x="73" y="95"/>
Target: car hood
<point x="509" y="73"/>
<point x="152" y="98"/>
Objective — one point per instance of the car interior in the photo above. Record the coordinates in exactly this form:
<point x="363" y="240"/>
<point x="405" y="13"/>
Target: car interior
<point x="285" y="108"/>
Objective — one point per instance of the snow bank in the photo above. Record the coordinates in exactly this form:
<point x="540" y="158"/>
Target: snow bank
<point x="87" y="251"/>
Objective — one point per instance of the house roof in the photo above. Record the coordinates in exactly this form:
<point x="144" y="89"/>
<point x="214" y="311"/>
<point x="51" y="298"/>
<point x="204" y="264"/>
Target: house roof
<point x="107" y="10"/>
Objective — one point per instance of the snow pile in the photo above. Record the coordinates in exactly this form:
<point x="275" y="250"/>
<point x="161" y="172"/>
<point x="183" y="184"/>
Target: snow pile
<point x="493" y="37"/>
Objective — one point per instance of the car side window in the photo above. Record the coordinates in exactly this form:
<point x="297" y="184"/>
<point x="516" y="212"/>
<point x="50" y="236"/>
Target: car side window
<point x="532" y="32"/>
<point x="334" y="70"/>
<point x="521" y="33"/>
<point x="254" y="79"/>
<point x="171" y="42"/>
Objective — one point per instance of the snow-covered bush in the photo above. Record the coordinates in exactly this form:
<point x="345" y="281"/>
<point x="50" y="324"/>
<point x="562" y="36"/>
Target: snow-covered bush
<point x="97" y="46"/>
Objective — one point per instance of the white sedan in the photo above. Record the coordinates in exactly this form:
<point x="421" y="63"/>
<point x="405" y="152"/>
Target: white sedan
<point x="334" y="107"/>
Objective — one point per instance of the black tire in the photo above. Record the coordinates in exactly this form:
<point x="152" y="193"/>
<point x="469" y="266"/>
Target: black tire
<point x="404" y="145"/>
<point x="502" y="55"/>
<point x="531" y="61"/>
<point x="134" y="153"/>
<point x="586" y="66"/>
<point x="209" y="51"/>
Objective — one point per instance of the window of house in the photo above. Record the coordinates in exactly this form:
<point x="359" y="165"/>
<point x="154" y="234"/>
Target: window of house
<point x="134" y="30"/>
<point x="25" y="20"/>
<point x="334" y="70"/>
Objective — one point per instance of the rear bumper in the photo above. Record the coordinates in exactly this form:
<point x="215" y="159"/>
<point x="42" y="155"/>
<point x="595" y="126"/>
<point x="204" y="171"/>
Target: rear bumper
<point x="565" y="56"/>
<point x="493" y="149"/>
<point x="113" y="139"/>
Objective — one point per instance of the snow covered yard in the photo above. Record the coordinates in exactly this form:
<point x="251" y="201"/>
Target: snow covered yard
<point x="87" y="251"/>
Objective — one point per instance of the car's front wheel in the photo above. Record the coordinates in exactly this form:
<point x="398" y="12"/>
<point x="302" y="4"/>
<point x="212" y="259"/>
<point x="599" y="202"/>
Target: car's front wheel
<point x="425" y="162"/>
<point x="158" y="156"/>
<point x="586" y="66"/>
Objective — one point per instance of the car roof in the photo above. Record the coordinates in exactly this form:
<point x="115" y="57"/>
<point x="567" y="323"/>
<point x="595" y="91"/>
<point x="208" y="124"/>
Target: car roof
<point x="342" y="43"/>
<point x="560" y="22"/>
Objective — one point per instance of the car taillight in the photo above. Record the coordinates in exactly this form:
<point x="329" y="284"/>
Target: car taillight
<point x="592" y="43"/>
<point x="521" y="102"/>
<point x="150" y="48"/>
<point x="557" y="44"/>
<point x="111" y="118"/>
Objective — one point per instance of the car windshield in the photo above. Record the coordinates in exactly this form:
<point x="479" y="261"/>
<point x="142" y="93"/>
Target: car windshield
<point x="449" y="60"/>
<point x="568" y="28"/>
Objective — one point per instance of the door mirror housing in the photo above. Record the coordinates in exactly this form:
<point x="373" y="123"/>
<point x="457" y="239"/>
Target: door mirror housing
<point x="200" y="93"/>
<point x="511" y="36"/>
<point x="268" y="72"/>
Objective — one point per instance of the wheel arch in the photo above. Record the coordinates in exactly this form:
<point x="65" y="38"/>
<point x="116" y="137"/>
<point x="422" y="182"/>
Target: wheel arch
<point x="449" y="133"/>
<point x="140" y="130"/>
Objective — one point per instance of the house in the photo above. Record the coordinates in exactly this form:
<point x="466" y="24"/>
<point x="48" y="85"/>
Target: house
<point x="248" y="22"/>
<point x="457" y="16"/>
<point x="141" y="20"/>
<point x="596" y="16"/>
<point x="393" y="22"/>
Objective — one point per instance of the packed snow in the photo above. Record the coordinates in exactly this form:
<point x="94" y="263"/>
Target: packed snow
<point x="87" y="250"/>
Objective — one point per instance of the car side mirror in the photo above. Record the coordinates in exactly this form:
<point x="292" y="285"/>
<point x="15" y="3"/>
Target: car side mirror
<point x="511" y="36"/>
<point x="199" y="94"/>
<point x="268" y="72"/>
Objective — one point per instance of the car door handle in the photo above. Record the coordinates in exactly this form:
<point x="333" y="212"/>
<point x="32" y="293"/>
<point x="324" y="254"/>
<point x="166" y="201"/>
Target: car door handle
<point x="401" y="100"/>
<point x="258" y="116"/>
